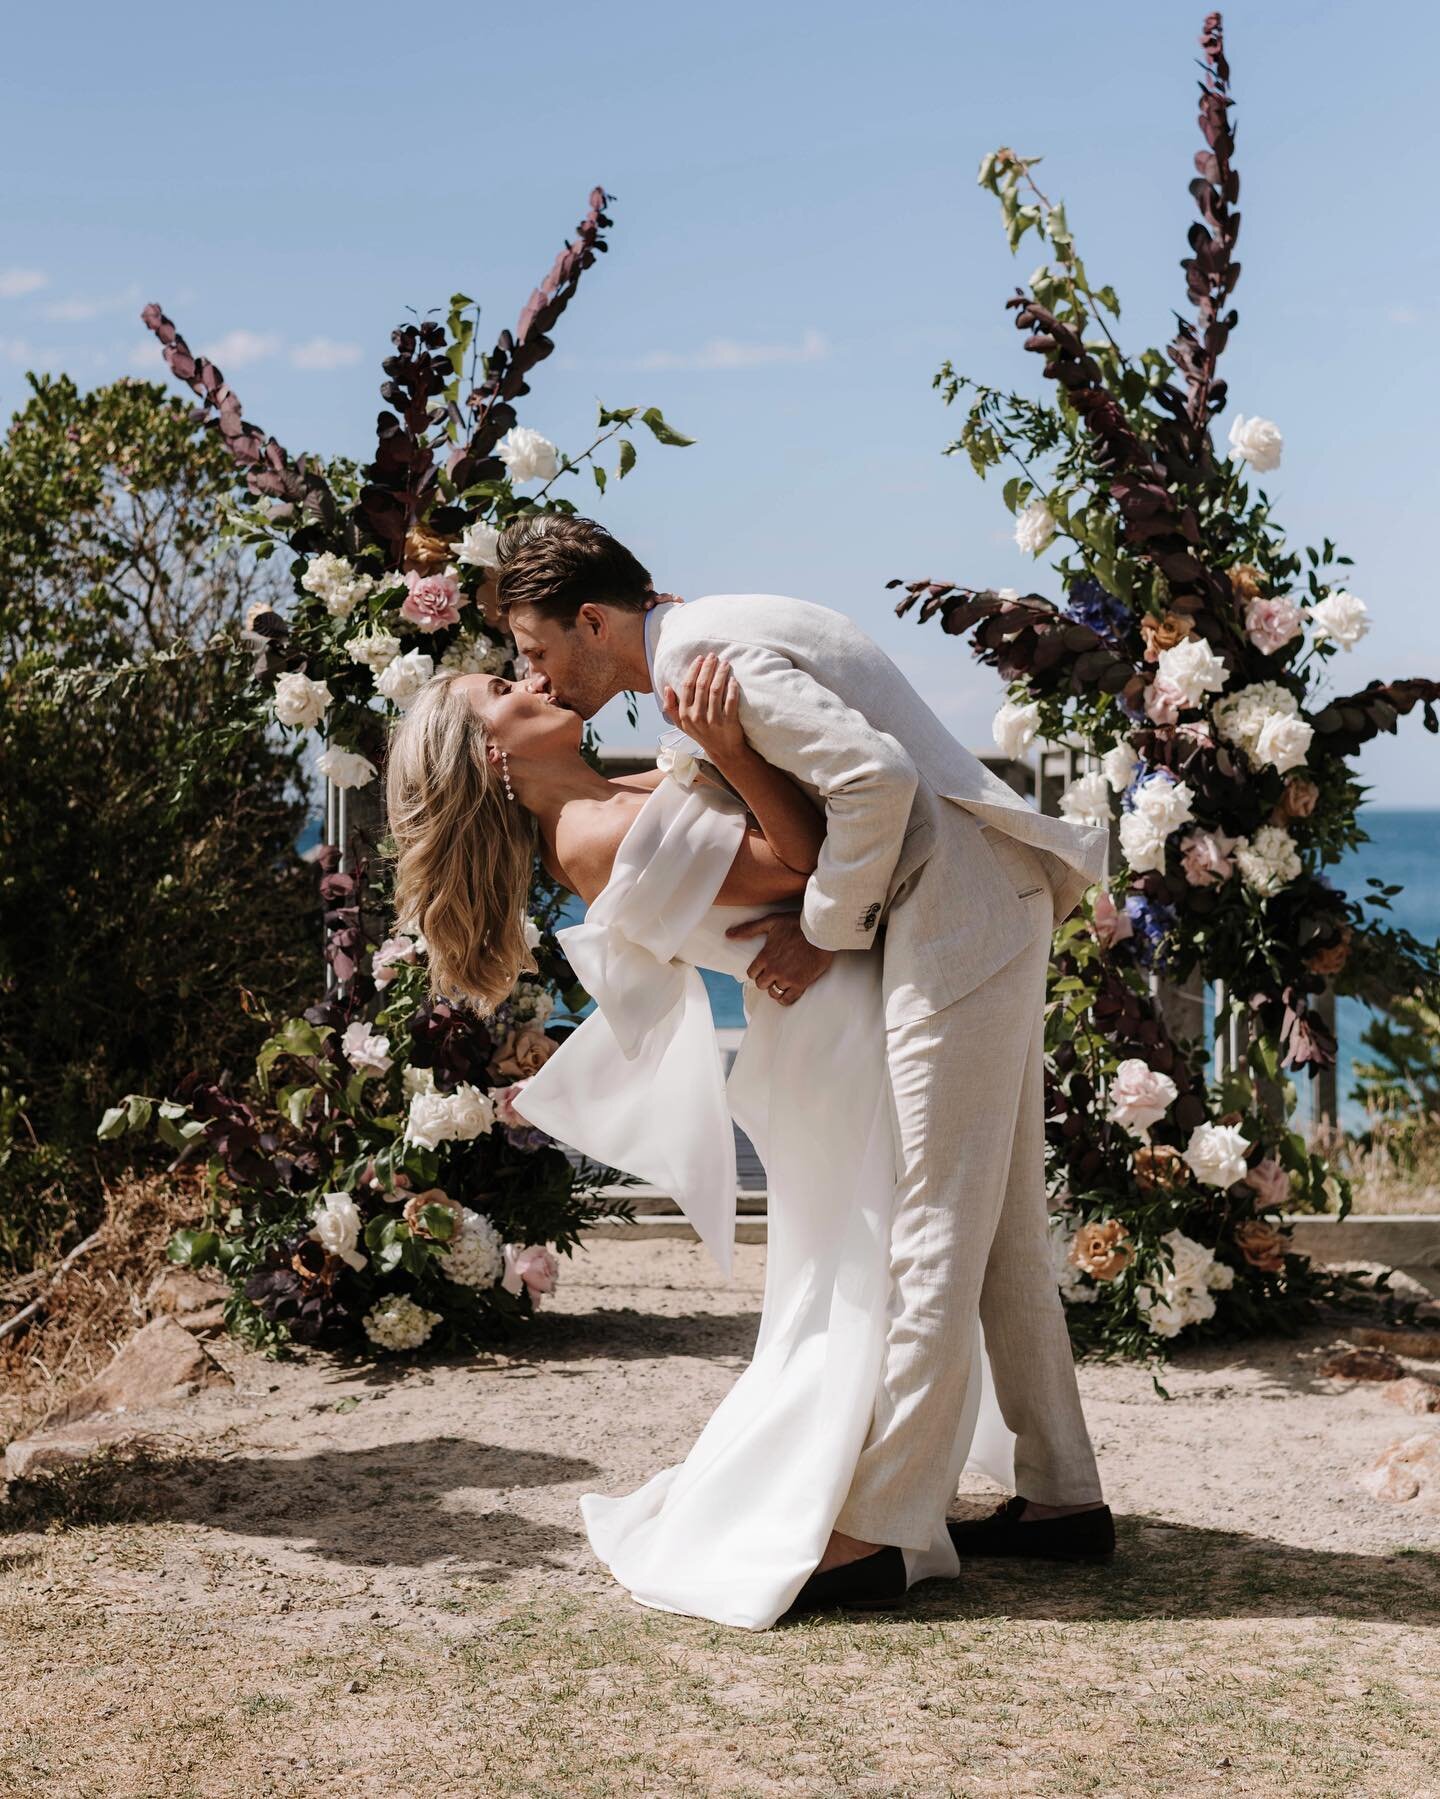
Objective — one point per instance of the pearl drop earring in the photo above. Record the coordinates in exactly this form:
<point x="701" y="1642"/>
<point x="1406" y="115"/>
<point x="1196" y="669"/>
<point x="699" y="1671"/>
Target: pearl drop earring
<point x="505" y="774"/>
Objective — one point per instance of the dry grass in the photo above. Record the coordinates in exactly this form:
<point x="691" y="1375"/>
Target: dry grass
<point x="96" y="1305"/>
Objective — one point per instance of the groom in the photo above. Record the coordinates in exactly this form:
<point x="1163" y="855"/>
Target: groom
<point x="958" y="883"/>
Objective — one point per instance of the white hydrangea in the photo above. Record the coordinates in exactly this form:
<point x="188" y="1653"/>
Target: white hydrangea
<point x="346" y="768"/>
<point x="337" y="1227"/>
<point x="1193" y="667"/>
<point x="336" y="582"/>
<point x="1014" y="727"/>
<point x="299" y="700"/>
<point x="478" y="546"/>
<point x="1120" y="764"/>
<point x="530" y="1003"/>
<point x="1256" y="441"/>
<point x="1269" y="860"/>
<point x="400" y="680"/>
<point x="1342" y="617"/>
<point x="374" y="650"/>
<point x="532" y="934"/>
<point x="437" y="1118"/>
<point x="1075" y="1290"/>
<point x="1034" y="527"/>
<point x="475" y="1256"/>
<point x="1241" y="717"/>
<point x="527" y="455"/>
<point x="474" y="654"/>
<point x="1215" y="1154"/>
<point x="1086" y="801"/>
<point x="398" y="1323"/>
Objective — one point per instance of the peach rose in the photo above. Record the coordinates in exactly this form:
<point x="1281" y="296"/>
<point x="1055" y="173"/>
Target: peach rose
<point x="1112" y="923"/>
<point x="1262" y="1244"/>
<point x="432" y="1196"/>
<point x="1333" y="957"/>
<point x="1298" y="800"/>
<point x="1102" y="1250"/>
<point x="1163" y="633"/>
<point x="1159" y="1165"/>
<point x="1246" y="581"/>
<point x="524" y="1052"/>
<point x="426" y="551"/>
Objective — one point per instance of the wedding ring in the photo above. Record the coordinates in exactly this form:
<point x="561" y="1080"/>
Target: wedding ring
<point x="778" y="990"/>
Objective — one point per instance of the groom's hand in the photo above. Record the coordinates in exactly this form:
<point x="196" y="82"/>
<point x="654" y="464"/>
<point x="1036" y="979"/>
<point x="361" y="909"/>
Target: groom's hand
<point x="789" y="960"/>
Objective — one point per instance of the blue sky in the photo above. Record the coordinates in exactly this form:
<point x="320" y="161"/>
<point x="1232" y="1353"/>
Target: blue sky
<point x="798" y="242"/>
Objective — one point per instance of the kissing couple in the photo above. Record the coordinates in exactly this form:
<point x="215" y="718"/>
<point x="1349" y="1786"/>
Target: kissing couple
<point x="889" y="904"/>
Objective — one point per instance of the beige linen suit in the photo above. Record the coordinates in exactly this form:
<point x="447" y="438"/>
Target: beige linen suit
<point x="958" y="883"/>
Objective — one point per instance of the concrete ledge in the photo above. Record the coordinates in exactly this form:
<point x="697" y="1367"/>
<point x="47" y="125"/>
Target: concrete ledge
<point x="1398" y="1240"/>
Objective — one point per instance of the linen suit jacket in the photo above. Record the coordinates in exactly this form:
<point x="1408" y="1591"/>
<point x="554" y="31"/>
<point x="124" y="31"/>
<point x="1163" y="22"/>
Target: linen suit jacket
<point x="905" y="865"/>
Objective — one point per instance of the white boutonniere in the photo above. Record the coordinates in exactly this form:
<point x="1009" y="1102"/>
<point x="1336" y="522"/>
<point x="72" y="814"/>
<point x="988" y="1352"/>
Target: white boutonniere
<point x="676" y="757"/>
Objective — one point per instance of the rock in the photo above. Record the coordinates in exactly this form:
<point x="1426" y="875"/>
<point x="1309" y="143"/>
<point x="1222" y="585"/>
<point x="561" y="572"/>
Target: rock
<point x="1407" y="1473"/>
<point x="1423" y="1345"/>
<point x="51" y="1450"/>
<point x="1362" y="1364"/>
<point x="195" y="1300"/>
<point x="160" y="1365"/>
<point x="1414" y="1395"/>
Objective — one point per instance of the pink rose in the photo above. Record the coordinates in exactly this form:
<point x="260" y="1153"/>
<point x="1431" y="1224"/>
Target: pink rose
<point x="1139" y="1096"/>
<point x="533" y="1266"/>
<point x="1299" y="798"/>
<point x="391" y="953"/>
<point x="505" y="1113"/>
<point x="1270" y="624"/>
<point x="1163" y="700"/>
<point x="1270" y="1182"/>
<point x="432" y="602"/>
<point x="1112" y="924"/>
<point x="1205" y="856"/>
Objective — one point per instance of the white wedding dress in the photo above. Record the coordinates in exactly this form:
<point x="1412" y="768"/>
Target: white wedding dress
<point x="733" y="1531"/>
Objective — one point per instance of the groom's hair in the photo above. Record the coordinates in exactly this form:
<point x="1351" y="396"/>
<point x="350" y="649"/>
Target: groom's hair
<point x="556" y="563"/>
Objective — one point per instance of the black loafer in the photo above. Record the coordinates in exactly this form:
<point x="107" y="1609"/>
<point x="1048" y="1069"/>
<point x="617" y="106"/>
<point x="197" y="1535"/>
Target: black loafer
<point x="874" y="1582"/>
<point x="1075" y="1537"/>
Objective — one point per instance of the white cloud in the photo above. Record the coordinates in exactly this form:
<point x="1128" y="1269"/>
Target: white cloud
<point x="76" y="310"/>
<point x="15" y="282"/>
<point x="238" y="348"/>
<point x="729" y="353"/>
<point x="323" y="353"/>
<point x="1405" y="315"/>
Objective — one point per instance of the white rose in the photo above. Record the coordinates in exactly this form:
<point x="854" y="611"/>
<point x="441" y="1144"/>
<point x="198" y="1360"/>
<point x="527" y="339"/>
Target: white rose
<point x="1283" y="741"/>
<point x="1343" y="618"/>
<point x="1086" y="801"/>
<point x="1034" y="527"/>
<point x="299" y="700"/>
<point x="374" y="650"/>
<point x="1192" y="1260"/>
<point x="1269" y="860"/>
<point x="1220" y="1276"/>
<point x="402" y="679"/>
<point x="477" y="545"/>
<point x="1241" y="716"/>
<point x="1014" y="727"/>
<point x="527" y="455"/>
<point x="337" y="1228"/>
<point x="1139" y="1096"/>
<point x="1142" y="842"/>
<point x="1193" y="667"/>
<point x="417" y="1080"/>
<point x="532" y="934"/>
<point x="428" y="1123"/>
<point x="472" y="1112"/>
<point x="1215" y="1154"/>
<point x="346" y="768"/>
<point x="1163" y="803"/>
<point x="366" y="1052"/>
<point x="1256" y="441"/>
<point x="1119" y="765"/>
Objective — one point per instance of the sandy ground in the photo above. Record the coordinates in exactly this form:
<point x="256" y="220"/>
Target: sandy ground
<point x="324" y="1516"/>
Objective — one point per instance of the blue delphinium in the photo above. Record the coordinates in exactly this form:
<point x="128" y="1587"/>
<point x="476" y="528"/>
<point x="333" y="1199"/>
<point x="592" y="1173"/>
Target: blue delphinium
<point x="1152" y="920"/>
<point x="1133" y="786"/>
<point x="1090" y="604"/>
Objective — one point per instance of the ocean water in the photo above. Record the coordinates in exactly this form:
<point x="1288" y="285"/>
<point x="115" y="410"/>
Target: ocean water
<point x="1404" y="850"/>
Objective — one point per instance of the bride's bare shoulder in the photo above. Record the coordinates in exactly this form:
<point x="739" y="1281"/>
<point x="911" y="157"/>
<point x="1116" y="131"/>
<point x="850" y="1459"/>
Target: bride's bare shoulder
<point x="589" y="832"/>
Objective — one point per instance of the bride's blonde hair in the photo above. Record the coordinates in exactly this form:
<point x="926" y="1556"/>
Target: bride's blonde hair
<point x="464" y="852"/>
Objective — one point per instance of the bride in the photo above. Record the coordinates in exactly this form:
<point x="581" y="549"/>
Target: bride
<point x="484" y="773"/>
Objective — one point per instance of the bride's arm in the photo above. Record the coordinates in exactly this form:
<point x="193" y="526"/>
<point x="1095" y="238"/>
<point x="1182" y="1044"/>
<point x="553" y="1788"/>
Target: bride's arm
<point x="791" y="827"/>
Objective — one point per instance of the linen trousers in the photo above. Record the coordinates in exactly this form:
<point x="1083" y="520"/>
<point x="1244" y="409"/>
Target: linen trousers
<point x="971" y="1229"/>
